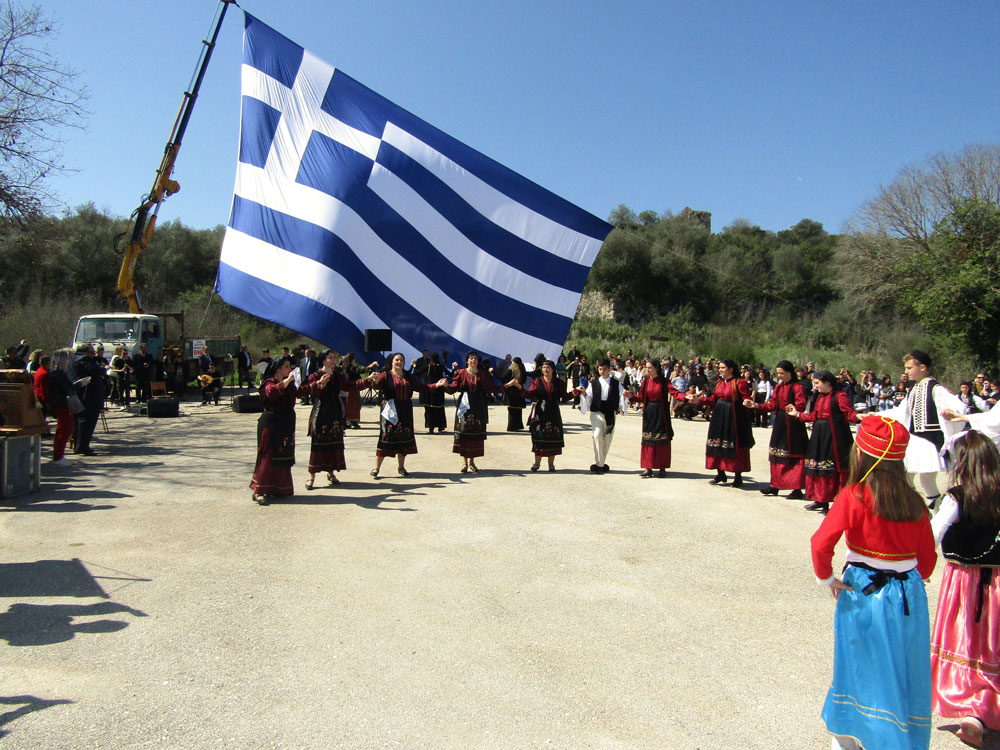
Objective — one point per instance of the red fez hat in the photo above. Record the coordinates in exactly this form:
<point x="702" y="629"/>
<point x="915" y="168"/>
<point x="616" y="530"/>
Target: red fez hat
<point x="883" y="438"/>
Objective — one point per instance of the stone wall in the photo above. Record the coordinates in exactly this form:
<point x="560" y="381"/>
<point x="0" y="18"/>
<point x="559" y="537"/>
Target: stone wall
<point x="596" y="305"/>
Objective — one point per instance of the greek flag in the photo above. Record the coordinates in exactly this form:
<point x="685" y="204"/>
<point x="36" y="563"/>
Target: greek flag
<point x="351" y="213"/>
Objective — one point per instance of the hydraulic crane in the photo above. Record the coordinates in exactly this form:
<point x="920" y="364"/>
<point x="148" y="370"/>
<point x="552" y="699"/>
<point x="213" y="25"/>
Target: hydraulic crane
<point x="143" y="219"/>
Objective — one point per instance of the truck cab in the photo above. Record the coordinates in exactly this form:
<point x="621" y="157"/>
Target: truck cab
<point x="125" y="329"/>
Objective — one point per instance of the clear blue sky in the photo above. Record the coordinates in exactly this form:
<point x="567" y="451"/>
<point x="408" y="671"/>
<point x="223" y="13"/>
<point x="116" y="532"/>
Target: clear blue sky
<point x="769" y="111"/>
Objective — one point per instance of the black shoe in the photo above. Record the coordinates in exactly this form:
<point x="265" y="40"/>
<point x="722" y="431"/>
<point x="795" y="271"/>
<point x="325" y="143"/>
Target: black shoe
<point x="794" y="495"/>
<point x="769" y="490"/>
<point x="720" y="478"/>
<point x="595" y="469"/>
<point x="260" y="499"/>
<point x="647" y="474"/>
<point x="818" y="506"/>
<point x="932" y="501"/>
<point x="738" y="481"/>
<point x="403" y="472"/>
<point x="663" y="473"/>
<point x="605" y="469"/>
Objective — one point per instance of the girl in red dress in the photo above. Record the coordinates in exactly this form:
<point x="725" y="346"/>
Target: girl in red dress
<point x="828" y="454"/>
<point x="395" y="437"/>
<point x="730" y="437"/>
<point x="657" y="432"/>
<point x="326" y="420"/>
<point x="789" y="439"/>
<point x="545" y="422"/>
<point x="272" y="474"/>
<point x="471" y="417"/>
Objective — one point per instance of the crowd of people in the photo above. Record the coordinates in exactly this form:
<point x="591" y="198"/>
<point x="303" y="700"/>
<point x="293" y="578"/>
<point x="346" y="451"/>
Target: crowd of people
<point x="876" y="488"/>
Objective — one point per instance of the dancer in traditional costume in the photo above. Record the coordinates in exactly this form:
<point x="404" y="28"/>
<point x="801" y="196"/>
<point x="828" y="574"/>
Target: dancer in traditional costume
<point x="789" y="439"/>
<point x="657" y="431"/>
<point x="470" y="416"/>
<point x="433" y="400"/>
<point x="603" y="399"/>
<point x="352" y="372"/>
<point x="395" y="438"/>
<point x="880" y="698"/>
<point x="272" y="474"/>
<point x="829" y="449"/>
<point x="730" y="436"/>
<point x="988" y="423"/>
<point x="965" y="644"/>
<point x="545" y="421"/>
<point x="513" y="398"/>
<point x="922" y="414"/>
<point x="326" y="420"/>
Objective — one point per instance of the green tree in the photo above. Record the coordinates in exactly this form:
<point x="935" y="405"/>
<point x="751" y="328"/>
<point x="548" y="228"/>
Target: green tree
<point x="954" y="286"/>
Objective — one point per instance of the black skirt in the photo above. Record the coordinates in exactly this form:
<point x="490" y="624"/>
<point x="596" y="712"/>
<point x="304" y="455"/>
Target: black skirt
<point x="789" y="440"/>
<point x="397" y="438"/>
<point x="826" y="455"/>
<point x="729" y="431"/>
<point x="472" y="424"/>
<point x="280" y="425"/>
<point x="546" y="426"/>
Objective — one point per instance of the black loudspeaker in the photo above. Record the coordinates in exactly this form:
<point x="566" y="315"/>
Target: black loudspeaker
<point x="378" y="339"/>
<point x="163" y="407"/>
<point x="249" y="404"/>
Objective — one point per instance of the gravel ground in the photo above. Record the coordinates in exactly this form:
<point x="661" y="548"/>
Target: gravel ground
<point x="149" y="603"/>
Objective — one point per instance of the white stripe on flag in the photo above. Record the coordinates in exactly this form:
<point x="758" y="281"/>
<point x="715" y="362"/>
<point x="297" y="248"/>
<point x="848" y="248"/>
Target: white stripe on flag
<point x="465" y="254"/>
<point x="499" y="208"/>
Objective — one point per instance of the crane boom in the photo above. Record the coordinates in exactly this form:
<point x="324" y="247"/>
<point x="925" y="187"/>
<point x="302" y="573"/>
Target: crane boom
<point x="143" y="219"/>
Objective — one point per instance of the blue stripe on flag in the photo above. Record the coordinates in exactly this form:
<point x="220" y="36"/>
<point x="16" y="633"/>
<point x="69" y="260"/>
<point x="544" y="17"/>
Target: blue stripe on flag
<point x="270" y="52"/>
<point x="257" y="131"/>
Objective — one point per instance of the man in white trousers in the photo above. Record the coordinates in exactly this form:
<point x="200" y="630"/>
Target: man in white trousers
<point x="603" y="399"/>
<point x="922" y="413"/>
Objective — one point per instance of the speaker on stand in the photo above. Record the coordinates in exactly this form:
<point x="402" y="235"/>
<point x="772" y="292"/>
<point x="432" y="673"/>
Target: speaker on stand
<point x="378" y="340"/>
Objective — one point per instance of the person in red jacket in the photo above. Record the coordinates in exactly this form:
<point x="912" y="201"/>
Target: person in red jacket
<point x="730" y="436"/>
<point x="828" y="453"/>
<point x="881" y="691"/>
<point x="787" y="450"/>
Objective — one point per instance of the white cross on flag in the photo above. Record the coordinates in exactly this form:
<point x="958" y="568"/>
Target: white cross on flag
<point x="351" y="213"/>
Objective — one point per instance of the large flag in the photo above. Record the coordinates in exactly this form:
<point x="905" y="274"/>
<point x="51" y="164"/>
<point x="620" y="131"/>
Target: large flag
<point x="350" y="213"/>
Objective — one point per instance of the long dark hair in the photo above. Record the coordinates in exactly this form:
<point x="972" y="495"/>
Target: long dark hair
<point x="893" y="494"/>
<point x="977" y="472"/>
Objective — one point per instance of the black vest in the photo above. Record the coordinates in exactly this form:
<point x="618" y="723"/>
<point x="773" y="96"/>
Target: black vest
<point x="968" y="543"/>
<point x="610" y="407"/>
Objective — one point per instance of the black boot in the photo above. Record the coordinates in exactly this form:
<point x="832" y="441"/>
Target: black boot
<point x="720" y="478"/>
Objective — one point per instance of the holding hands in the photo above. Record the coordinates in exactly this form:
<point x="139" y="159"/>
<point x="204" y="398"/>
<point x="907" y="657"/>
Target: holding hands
<point x="792" y="411"/>
<point x="749" y="403"/>
<point x="952" y="416"/>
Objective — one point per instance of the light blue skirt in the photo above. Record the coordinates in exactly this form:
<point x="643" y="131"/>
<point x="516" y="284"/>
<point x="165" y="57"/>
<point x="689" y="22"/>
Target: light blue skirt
<point x="881" y="691"/>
